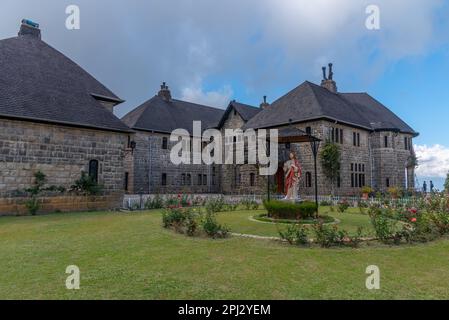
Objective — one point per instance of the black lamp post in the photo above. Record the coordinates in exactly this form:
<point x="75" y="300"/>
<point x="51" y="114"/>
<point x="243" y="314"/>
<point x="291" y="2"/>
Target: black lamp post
<point x="315" y="145"/>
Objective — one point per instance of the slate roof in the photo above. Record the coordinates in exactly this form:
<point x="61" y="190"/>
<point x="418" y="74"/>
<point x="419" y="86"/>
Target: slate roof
<point x="160" y="115"/>
<point x="38" y="83"/>
<point x="310" y="102"/>
<point x="246" y="111"/>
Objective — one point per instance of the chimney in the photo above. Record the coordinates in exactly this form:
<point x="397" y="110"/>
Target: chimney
<point x="328" y="81"/>
<point x="164" y="93"/>
<point x="30" y="28"/>
<point x="264" y="104"/>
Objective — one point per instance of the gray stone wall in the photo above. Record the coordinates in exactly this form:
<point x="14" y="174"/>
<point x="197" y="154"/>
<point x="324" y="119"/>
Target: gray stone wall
<point x="60" y="152"/>
<point x="367" y="158"/>
<point x="151" y="161"/>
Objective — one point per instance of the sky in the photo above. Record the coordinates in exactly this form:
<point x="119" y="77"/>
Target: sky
<point x="211" y="52"/>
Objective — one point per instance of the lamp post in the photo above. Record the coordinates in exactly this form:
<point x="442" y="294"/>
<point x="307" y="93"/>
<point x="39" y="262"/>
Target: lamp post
<point x="315" y="145"/>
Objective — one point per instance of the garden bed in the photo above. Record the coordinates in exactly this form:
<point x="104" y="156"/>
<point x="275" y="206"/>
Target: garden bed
<point x="309" y="221"/>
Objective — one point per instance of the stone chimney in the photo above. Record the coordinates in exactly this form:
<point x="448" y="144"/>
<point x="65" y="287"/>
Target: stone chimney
<point x="164" y="93"/>
<point x="264" y="104"/>
<point x="328" y="81"/>
<point x="30" y="28"/>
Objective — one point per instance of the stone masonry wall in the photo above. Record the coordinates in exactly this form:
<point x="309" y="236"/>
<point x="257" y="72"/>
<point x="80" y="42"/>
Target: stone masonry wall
<point x="151" y="161"/>
<point x="61" y="153"/>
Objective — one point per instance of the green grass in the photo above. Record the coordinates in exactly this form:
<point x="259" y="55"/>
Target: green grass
<point x="240" y="222"/>
<point x="129" y="256"/>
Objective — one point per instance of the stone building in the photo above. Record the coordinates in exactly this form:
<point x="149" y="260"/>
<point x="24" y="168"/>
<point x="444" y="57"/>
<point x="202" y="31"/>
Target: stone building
<point x="376" y="145"/>
<point x="57" y="119"/>
<point x="150" y="167"/>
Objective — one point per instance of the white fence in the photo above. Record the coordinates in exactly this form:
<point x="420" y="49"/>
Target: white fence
<point x="137" y="202"/>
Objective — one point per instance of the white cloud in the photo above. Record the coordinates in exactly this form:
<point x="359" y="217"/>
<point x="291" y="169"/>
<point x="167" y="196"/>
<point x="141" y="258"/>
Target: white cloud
<point x="433" y="160"/>
<point x="259" y="44"/>
<point x="218" y="98"/>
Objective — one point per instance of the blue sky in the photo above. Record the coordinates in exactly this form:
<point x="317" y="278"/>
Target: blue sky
<point x="212" y="51"/>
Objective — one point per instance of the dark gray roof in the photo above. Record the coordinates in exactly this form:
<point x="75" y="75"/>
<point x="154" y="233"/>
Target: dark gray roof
<point x="38" y="83"/>
<point x="310" y="102"/>
<point x="246" y="111"/>
<point x="164" y="116"/>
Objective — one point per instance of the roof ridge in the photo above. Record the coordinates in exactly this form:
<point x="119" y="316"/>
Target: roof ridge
<point x="196" y="104"/>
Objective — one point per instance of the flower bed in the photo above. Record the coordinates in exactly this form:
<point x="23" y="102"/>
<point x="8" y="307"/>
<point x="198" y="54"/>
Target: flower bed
<point x="308" y="221"/>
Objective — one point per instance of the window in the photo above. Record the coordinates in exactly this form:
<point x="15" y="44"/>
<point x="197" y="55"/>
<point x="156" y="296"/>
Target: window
<point x="189" y="179"/>
<point x="252" y="179"/>
<point x="407" y="143"/>
<point x="126" y="181"/>
<point x="309" y="130"/>
<point x="337" y="135"/>
<point x="358" y="177"/>
<point x="183" y="179"/>
<point x="164" y="179"/>
<point x="387" y="182"/>
<point x="236" y="176"/>
<point x="356" y="139"/>
<point x="308" y="180"/>
<point x="214" y="176"/>
<point x="339" y="181"/>
<point x="386" y="142"/>
<point x="205" y="179"/>
<point x="164" y="143"/>
<point x="93" y="170"/>
<point x="200" y="179"/>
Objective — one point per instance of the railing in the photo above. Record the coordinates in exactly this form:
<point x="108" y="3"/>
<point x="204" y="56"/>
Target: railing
<point x="137" y="202"/>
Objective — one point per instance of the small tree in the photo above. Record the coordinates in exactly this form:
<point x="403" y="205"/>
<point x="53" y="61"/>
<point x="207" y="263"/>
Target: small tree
<point x="330" y="160"/>
<point x="32" y="204"/>
<point x="446" y="184"/>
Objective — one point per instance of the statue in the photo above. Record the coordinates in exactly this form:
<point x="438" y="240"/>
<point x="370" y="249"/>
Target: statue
<point x="293" y="172"/>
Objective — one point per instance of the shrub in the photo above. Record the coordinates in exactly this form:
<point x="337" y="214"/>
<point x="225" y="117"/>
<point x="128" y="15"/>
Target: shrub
<point x="154" y="203"/>
<point x="385" y="228"/>
<point x="343" y="205"/>
<point x="295" y="234"/>
<point x="32" y="206"/>
<point x="182" y="220"/>
<point x="87" y="185"/>
<point x="215" y="205"/>
<point x="441" y="222"/>
<point x="212" y="228"/>
<point x="173" y="217"/>
<point x="249" y="204"/>
<point x="394" y="192"/>
<point x="289" y="210"/>
<point x="367" y="190"/>
<point x="327" y="236"/>
<point x="326" y="203"/>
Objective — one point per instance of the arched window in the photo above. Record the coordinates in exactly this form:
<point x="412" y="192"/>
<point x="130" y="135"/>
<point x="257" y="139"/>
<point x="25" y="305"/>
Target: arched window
<point x="93" y="170"/>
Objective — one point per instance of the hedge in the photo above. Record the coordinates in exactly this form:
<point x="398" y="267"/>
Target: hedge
<point x="289" y="210"/>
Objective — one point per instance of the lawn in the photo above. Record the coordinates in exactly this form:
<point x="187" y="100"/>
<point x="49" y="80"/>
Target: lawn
<point x="130" y="256"/>
<point x="241" y="222"/>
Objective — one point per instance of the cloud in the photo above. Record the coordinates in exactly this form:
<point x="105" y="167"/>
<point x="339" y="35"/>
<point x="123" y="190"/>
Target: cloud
<point x="433" y="160"/>
<point x="259" y="45"/>
<point x="218" y="98"/>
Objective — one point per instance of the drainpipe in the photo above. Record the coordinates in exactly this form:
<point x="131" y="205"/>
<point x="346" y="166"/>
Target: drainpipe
<point x="371" y="159"/>
<point x="149" y="166"/>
